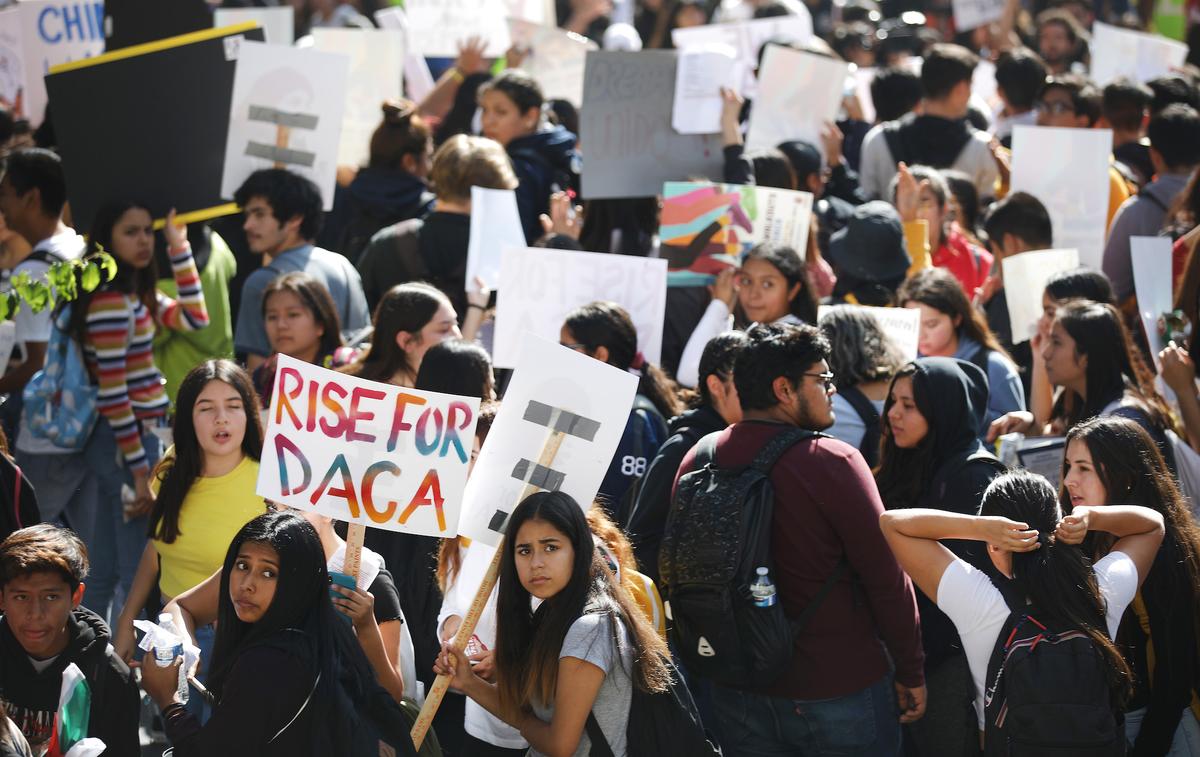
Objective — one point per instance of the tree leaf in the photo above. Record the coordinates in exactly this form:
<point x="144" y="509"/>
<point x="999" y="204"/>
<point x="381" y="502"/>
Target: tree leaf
<point x="90" y="279"/>
<point x="110" y="266"/>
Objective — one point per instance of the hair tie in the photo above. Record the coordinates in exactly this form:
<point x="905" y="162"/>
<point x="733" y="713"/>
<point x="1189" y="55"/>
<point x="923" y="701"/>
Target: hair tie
<point x="639" y="362"/>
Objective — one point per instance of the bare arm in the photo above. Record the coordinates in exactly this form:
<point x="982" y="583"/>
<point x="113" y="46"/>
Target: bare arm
<point x="1139" y="531"/>
<point x="143" y="582"/>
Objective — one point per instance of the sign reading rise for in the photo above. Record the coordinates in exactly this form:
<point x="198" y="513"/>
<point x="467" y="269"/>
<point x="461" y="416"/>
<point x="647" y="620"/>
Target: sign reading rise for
<point x="365" y="452"/>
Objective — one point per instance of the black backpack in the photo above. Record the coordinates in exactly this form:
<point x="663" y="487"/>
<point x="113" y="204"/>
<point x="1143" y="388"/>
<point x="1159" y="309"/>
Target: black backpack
<point x="718" y="533"/>
<point x="1046" y="691"/>
<point x="660" y="724"/>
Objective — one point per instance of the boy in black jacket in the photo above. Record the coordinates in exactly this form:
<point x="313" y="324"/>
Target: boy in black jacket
<point x="44" y="629"/>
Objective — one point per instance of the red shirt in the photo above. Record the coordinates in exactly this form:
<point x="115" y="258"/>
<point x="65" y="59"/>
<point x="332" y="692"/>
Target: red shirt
<point x="826" y="505"/>
<point x="969" y="263"/>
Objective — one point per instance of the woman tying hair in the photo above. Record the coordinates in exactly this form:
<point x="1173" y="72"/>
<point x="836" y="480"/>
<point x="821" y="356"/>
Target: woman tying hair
<point x="931" y="457"/>
<point x="288" y="676"/>
<point x="952" y="327"/>
<point x="771" y="286"/>
<point x="1050" y="580"/>
<point x="604" y="330"/>
<point x="543" y="156"/>
<point x="579" y="654"/>
<point x="1113" y="460"/>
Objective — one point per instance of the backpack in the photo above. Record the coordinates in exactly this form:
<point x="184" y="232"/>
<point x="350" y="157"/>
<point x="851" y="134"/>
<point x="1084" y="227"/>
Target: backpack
<point x="653" y="432"/>
<point x="1046" y="690"/>
<point x="60" y="400"/>
<point x="660" y="724"/>
<point x="717" y="534"/>
<point x="869" y="446"/>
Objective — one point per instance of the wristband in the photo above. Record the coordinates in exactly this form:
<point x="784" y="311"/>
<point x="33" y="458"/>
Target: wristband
<point x="477" y="307"/>
<point x="456" y="74"/>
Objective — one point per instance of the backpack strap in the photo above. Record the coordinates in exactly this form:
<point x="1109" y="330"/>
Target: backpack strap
<point x="765" y="460"/>
<point x="600" y="747"/>
<point x="17" y="498"/>
<point x="895" y="141"/>
<point x="303" y="705"/>
<point x="1154" y="199"/>
<point x="810" y="610"/>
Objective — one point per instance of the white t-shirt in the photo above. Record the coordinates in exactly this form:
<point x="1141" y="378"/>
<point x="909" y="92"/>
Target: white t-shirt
<point x="978" y="609"/>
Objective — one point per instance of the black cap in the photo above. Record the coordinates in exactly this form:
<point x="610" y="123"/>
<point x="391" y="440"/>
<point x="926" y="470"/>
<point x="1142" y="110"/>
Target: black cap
<point x="871" y="246"/>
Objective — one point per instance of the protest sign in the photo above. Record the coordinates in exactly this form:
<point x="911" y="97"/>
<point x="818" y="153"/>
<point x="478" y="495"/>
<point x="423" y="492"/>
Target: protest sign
<point x="286" y="112"/>
<point x="539" y="287"/>
<point x="35" y="36"/>
<point x="540" y="12"/>
<point x="706" y="228"/>
<point x="1025" y="277"/>
<point x="798" y="92"/>
<point x="699" y="77"/>
<point x="1151" y="259"/>
<point x="1140" y="56"/>
<point x="556" y="58"/>
<point x="436" y="27"/>
<point x="368" y="453"/>
<point x="969" y="14"/>
<point x="495" y="225"/>
<point x="172" y="160"/>
<point x="631" y="148"/>
<point x="277" y="23"/>
<point x="376" y="67"/>
<point x="1067" y="169"/>
<point x="747" y="37"/>
<point x="902" y="326"/>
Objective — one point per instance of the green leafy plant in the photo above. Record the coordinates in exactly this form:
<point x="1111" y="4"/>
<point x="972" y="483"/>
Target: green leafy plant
<point x="63" y="282"/>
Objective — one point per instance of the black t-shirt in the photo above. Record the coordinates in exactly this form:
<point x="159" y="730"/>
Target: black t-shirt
<point x="387" y="601"/>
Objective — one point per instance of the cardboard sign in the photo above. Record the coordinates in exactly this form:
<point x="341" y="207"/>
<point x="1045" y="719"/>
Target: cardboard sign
<point x="556" y="58"/>
<point x="747" y="37"/>
<point x="798" y="93"/>
<point x="631" y="148"/>
<point x="286" y="112"/>
<point x="1067" y="169"/>
<point x="706" y="228"/>
<point x="553" y="387"/>
<point x="495" y="225"/>
<point x="172" y="159"/>
<point x="436" y="27"/>
<point x="901" y="325"/>
<point x="1025" y="277"/>
<point x="1120" y="52"/>
<point x="969" y="14"/>
<point x="701" y="74"/>
<point x="539" y="287"/>
<point x="1151" y="259"/>
<point x="364" y="452"/>
<point x="277" y="23"/>
<point x="35" y="36"/>
<point x="376" y="70"/>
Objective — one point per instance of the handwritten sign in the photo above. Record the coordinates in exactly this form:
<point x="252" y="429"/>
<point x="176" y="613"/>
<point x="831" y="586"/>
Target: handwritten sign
<point x="747" y="37"/>
<point x="1025" y="277"/>
<point x="36" y="35"/>
<point x="365" y="452"/>
<point x="539" y="287"/>
<point x="1140" y="56"/>
<point x="436" y="27"/>
<point x="553" y="388"/>
<point x="1067" y="169"/>
<point x="706" y="227"/>
<point x="798" y="92"/>
<point x="631" y="148"/>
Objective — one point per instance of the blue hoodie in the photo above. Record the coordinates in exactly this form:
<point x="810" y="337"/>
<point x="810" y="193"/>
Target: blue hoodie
<point x="544" y="162"/>
<point x="376" y="199"/>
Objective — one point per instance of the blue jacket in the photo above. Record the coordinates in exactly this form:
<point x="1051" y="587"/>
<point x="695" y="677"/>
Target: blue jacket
<point x="544" y="162"/>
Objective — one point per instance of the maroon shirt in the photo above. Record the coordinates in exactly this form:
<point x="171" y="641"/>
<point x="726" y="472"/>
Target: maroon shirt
<point x="826" y="505"/>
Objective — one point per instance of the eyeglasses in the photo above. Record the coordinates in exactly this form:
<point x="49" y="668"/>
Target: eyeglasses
<point x="826" y="379"/>
<point x="1055" y="108"/>
<point x="576" y="347"/>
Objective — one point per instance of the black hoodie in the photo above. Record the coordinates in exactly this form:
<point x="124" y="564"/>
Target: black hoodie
<point x="648" y="516"/>
<point x="32" y="697"/>
<point x="927" y="140"/>
<point x="375" y="199"/>
<point x="544" y="162"/>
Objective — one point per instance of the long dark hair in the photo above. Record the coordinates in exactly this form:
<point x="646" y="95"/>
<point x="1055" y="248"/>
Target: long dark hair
<point x="787" y="261"/>
<point x="1134" y="472"/>
<point x="1114" y="368"/>
<point x="528" y="642"/>
<point x="608" y="325"/>
<point x="860" y="350"/>
<point x="1057" y="579"/>
<point x="316" y="298"/>
<point x="406" y="307"/>
<point x="177" y="473"/>
<point x="140" y="283"/>
<point x="346" y="696"/>
<point x="904" y="475"/>
<point x="456" y="366"/>
<point x="937" y="288"/>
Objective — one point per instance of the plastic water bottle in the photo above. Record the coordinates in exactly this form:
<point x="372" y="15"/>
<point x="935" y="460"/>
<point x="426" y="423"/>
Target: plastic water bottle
<point x="165" y="655"/>
<point x="763" y="590"/>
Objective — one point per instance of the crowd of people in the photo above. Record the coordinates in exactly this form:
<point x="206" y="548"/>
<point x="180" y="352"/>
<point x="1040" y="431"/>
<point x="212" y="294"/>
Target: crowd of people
<point x="805" y="543"/>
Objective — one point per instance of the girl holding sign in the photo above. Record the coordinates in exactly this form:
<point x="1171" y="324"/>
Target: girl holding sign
<point x="409" y="320"/>
<point x="205" y="486"/>
<point x="288" y="675"/>
<point x="580" y="652"/>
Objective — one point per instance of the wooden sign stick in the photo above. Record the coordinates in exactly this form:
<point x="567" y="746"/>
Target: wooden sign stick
<point x="282" y="135"/>
<point x="433" y="699"/>
<point x="354" y="545"/>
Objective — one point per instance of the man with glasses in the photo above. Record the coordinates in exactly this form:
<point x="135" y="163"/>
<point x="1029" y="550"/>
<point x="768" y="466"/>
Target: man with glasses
<point x="839" y="692"/>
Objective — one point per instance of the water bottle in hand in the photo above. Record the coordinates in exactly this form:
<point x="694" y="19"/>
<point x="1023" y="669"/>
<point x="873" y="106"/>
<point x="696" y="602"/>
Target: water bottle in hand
<point x="763" y="590"/>
<point x="165" y="654"/>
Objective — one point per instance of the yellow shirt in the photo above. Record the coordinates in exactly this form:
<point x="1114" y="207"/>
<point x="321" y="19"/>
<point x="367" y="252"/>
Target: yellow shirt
<point x="213" y="511"/>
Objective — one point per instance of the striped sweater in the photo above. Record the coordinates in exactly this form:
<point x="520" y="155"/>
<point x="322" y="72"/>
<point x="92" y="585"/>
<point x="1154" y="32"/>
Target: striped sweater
<point x="119" y="353"/>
